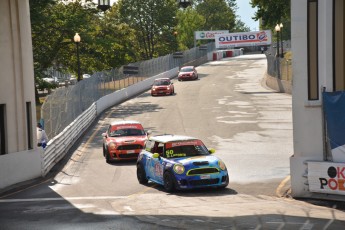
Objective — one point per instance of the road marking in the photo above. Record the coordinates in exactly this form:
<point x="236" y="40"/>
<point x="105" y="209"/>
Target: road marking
<point x="279" y="193"/>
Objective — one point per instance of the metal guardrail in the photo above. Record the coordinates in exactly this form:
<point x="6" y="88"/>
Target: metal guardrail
<point x="65" y="104"/>
<point x="59" y="145"/>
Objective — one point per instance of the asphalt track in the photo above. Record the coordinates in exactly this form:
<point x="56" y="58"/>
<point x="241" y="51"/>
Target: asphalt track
<point x="230" y="109"/>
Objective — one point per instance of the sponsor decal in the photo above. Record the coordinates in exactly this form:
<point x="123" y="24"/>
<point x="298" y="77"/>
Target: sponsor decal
<point x="326" y="177"/>
<point x="128" y="127"/>
<point x="158" y="170"/>
<point x="183" y="143"/>
<point x="335" y="179"/>
<point x="208" y="34"/>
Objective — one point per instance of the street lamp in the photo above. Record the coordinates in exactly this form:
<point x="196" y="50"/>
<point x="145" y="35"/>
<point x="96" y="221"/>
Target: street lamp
<point x="77" y="41"/>
<point x="281" y="39"/>
<point x="103" y="5"/>
<point x="185" y="3"/>
<point x="277" y="29"/>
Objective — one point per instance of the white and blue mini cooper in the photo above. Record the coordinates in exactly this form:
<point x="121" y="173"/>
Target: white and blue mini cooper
<point x="180" y="162"/>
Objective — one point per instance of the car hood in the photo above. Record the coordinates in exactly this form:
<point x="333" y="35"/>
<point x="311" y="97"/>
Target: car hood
<point x="200" y="161"/>
<point x="128" y="140"/>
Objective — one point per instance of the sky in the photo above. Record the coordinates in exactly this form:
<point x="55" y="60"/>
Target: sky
<point x="246" y="12"/>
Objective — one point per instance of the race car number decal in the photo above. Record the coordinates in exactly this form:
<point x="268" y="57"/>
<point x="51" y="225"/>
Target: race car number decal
<point x="170" y="153"/>
<point x="158" y="170"/>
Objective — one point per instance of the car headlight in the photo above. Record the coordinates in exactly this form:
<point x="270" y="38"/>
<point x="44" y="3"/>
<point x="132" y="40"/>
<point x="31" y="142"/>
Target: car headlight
<point x="221" y="165"/>
<point x="179" y="169"/>
<point x="111" y="145"/>
<point x="168" y="88"/>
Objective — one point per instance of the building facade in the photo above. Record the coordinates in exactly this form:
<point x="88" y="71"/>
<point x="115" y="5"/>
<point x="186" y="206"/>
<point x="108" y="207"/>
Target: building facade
<point x="19" y="157"/>
<point x="318" y="47"/>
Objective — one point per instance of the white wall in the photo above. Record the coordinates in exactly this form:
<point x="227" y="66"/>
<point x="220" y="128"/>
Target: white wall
<point x="16" y="88"/>
<point x="16" y="65"/>
<point x="307" y="115"/>
<point x="19" y="167"/>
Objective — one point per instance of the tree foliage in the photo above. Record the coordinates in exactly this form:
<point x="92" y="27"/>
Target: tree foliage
<point x="130" y="31"/>
<point x="273" y="12"/>
<point x="149" y="19"/>
<point x="218" y="14"/>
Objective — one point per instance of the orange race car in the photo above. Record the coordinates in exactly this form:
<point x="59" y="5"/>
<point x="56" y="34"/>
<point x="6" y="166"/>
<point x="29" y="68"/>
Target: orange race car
<point x="123" y="140"/>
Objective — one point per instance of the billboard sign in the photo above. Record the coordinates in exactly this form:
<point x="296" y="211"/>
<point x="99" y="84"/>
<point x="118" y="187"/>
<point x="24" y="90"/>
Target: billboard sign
<point x="254" y="38"/>
<point x="200" y="35"/>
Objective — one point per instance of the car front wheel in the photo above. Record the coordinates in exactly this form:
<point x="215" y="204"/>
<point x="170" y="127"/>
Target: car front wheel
<point x="141" y="175"/>
<point x="169" y="184"/>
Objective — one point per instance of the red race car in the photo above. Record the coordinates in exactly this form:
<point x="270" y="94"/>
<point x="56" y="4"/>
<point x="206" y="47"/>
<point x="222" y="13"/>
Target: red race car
<point x="162" y="86"/>
<point x="123" y="140"/>
<point x="187" y="73"/>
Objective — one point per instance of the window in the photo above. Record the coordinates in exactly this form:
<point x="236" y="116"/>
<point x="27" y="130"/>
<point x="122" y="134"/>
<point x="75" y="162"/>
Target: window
<point x="29" y="125"/>
<point x="313" y="79"/>
<point x="3" y="146"/>
<point x="338" y="45"/>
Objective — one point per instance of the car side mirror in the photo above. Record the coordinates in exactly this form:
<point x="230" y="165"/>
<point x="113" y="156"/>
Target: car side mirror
<point x="156" y="155"/>
<point x="211" y="151"/>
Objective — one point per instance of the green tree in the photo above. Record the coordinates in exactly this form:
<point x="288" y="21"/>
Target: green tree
<point x="188" y="21"/>
<point x="53" y="26"/>
<point x="273" y="12"/>
<point x="148" y="18"/>
<point x="240" y="27"/>
<point x="218" y="14"/>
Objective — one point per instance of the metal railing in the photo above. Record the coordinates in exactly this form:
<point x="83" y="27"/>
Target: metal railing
<point x="65" y="104"/>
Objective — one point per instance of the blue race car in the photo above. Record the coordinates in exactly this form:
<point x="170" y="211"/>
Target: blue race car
<point x="180" y="162"/>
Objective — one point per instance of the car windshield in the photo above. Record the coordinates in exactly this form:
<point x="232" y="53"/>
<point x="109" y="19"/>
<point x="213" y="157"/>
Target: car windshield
<point x="186" y="70"/>
<point x="186" y="151"/>
<point x="157" y="83"/>
<point x="127" y="132"/>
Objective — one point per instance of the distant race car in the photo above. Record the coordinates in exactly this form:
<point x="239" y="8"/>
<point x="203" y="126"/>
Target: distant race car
<point x="180" y="162"/>
<point x="162" y="86"/>
<point x="123" y="140"/>
<point x="187" y="73"/>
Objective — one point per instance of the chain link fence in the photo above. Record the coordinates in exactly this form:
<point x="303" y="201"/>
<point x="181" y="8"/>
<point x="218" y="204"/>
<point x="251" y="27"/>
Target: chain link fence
<point x="65" y="104"/>
<point x="280" y="68"/>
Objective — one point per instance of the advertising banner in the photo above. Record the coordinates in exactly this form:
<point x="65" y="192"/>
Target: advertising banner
<point x="231" y="40"/>
<point x="200" y="35"/>
<point x="334" y="116"/>
<point x="325" y="177"/>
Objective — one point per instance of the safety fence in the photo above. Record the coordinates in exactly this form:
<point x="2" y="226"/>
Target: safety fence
<point x="278" y="67"/>
<point x="65" y="104"/>
<point x="60" y="144"/>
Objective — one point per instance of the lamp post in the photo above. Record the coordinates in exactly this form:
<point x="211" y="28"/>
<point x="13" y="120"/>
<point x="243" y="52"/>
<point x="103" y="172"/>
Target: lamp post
<point x="103" y="5"/>
<point x="184" y="3"/>
<point x="281" y="39"/>
<point x="277" y="29"/>
<point x="77" y="41"/>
